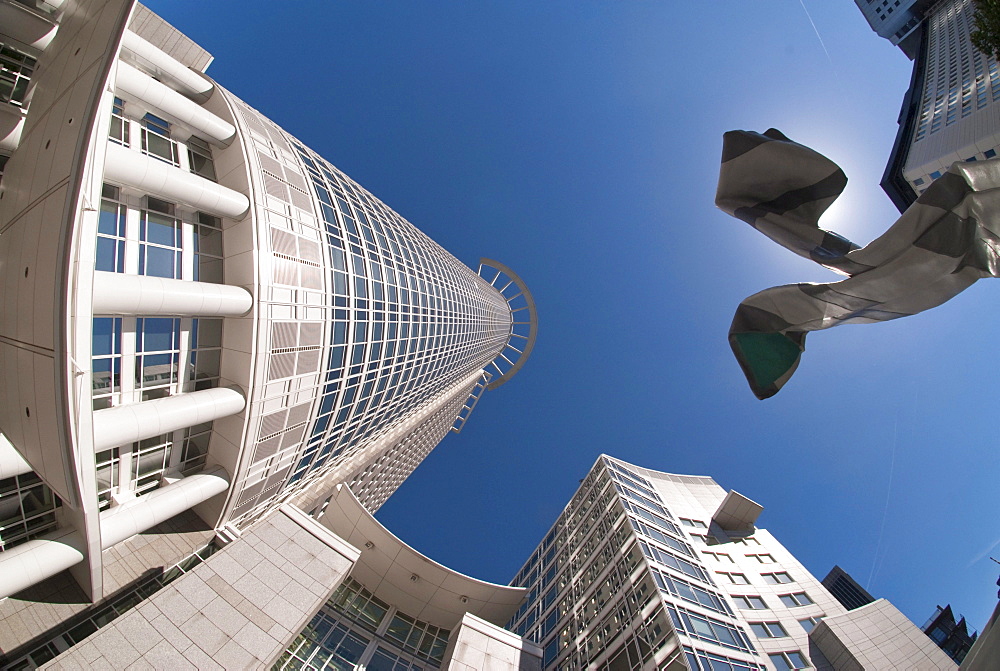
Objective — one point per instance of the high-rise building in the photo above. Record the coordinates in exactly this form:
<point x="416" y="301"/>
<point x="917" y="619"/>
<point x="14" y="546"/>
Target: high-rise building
<point x="896" y="20"/>
<point x="949" y="112"/>
<point x="950" y="635"/>
<point x="645" y="569"/>
<point x="846" y="590"/>
<point x="201" y="319"/>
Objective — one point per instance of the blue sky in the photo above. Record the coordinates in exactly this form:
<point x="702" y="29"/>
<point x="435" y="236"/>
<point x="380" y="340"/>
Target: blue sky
<point x="578" y="142"/>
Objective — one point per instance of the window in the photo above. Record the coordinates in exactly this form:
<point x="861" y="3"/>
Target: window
<point x="734" y="578"/>
<point x="195" y="448"/>
<point x="111" y="237"/>
<point x="795" y="599"/>
<point x="27" y="509"/>
<point x="693" y="523"/>
<point x="768" y="630"/>
<point x="15" y="74"/>
<point x="159" y="241"/>
<point x="156" y="140"/>
<point x="719" y="556"/>
<point x="749" y="540"/>
<point x="208" y="249"/>
<point x="919" y="181"/>
<point x="788" y="661"/>
<point x="157" y="354"/>
<point x="935" y="174"/>
<point x="106" y="362"/>
<point x="762" y="558"/>
<point x="119" y="124"/>
<point x="149" y="460"/>
<point x="200" y="156"/>
<point x="206" y="351"/>
<point x="750" y="602"/>
<point x="810" y="622"/>
<point x="107" y="476"/>
<point x="990" y="153"/>
<point x="780" y="578"/>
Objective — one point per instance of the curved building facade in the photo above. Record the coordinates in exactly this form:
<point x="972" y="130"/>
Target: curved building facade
<point x="199" y="315"/>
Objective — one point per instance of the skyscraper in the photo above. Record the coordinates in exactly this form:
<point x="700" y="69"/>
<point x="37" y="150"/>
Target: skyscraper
<point x="896" y="20"/>
<point x="846" y="590"/>
<point x="949" y="112"/>
<point x="200" y="318"/>
<point x="645" y="569"/>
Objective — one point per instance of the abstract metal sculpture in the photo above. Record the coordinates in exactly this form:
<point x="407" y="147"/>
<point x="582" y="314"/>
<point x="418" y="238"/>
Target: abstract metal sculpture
<point x="940" y="246"/>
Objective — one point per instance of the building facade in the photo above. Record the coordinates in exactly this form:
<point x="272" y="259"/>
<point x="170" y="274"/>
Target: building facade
<point x="896" y="21"/>
<point x="201" y="319"/>
<point x="949" y="112"/>
<point x="950" y="635"/>
<point x="647" y="570"/>
<point x="846" y="590"/>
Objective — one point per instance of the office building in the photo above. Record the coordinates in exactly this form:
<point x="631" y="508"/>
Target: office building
<point x="201" y="320"/>
<point x="896" y="21"/>
<point x="645" y="569"/>
<point x="950" y="635"/>
<point x="949" y="112"/>
<point x="846" y="590"/>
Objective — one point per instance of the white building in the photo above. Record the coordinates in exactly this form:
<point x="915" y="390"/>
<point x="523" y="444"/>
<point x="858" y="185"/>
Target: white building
<point x="647" y="570"/>
<point x="896" y="20"/>
<point x="950" y="112"/>
<point x="200" y="318"/>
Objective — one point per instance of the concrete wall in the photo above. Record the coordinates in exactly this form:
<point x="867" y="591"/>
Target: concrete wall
<point x="875" y="636"/>
<point x="239" y="609"/>
<point x="476" y="645"/>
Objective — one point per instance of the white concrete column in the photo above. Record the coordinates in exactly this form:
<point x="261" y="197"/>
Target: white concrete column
<point x="11" y="461"/>
<point x="188" y="80"/>
<point x="125" y="424"/>
<point x="11" y="127"/>
<point x="173" y="105"/>
<point x="160" y="179"/>
<point x="145" y="512"/>
<point x="118" y="294"/>
<point x="32" y="562"/>
<point x="26" y="26"/>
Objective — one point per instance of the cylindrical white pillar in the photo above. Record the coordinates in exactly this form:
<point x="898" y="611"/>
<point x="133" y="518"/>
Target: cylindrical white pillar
<point x="26" y="26"/>
<point x="118" y="294"/>
<point x="188" y="80"/>
<point x="150" y="175"/>
<point x="32" y="562"/>
<point x="11" y="461"/>
<point x="125" y="424"/>
<point x="145" y="512"/>
<point x="137" y="83"/>
<point x="11" y="127"/>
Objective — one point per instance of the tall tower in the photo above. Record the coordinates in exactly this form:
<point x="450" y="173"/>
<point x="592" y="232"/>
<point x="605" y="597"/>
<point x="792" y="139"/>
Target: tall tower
<point x="896" y="20"/>
<point x="201" y="318"/>
<point x="949" y="112"/>
<point x="645" y="569"/>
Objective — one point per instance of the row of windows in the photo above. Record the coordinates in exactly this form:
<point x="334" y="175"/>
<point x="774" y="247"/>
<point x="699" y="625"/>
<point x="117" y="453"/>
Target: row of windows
<point x="753" y="602"/>
<point x="156" y="242"/>
<point x="141" y="358"/>
<point x="138" y="468"/>
<point x="354" y="622"/>
<point x="155" y="141"/>
<point x="709" y="629"/>
<point x="16" y="69"/>
<point x="27" y="509"/>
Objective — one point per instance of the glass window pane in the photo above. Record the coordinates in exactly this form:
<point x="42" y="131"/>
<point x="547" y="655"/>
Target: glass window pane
<point x="158" y="334"/>
<point x="159" y="262"/>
